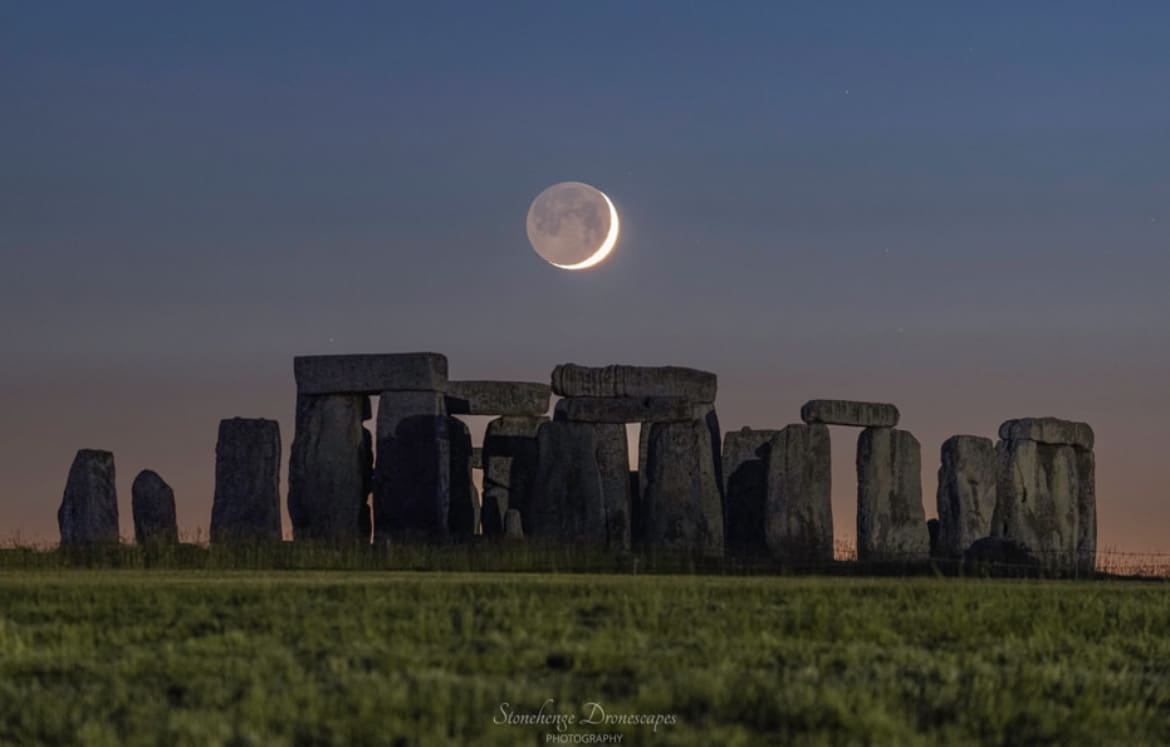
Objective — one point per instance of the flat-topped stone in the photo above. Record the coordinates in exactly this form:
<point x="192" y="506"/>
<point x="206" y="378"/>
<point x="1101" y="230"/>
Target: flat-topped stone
<point x="497" y="398"/>
<point x="1048" y="431"/>
<point x="572" y="380"/>
<point x="370" y="374"/>
<point x="625" y="409"/>
<point x="849" y="412"/>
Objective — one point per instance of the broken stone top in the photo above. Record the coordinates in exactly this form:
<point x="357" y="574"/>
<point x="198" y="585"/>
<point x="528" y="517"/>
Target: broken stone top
<point x="497" y="398"/>
<point x="1048" y="431"/>
<point x="370" y="374"/>
<point x="572" y="380"/>
<point x="848" y="412"/>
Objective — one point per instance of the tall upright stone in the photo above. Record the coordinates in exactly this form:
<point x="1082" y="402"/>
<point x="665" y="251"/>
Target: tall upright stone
<point x="328" y="467"/>
<point x="1039" y="500"/>
<point x="153" y="504"/>
<point x="1046" y="492"/>
<point x="568" y="500"/>
<point x="681" y="506"/>
<point x="365" y="510"/>
<point x="798" y="513"/>
<point x="745" y="455"/>
<point x="246" y="507"/>
<point x="891" y="523"/>
<point x="1086" y="511"/>
<point x="966" y="493"/>
<point x="89" y="508"/>
<point x="463" y="515"/>
<point x="509" y="455"/>
<point x="613" y="464"/>
<point x="412" y="475"/>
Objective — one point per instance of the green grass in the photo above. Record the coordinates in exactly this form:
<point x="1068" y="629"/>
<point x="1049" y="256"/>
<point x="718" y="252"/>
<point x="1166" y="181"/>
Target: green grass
<point x="204" y="657"/>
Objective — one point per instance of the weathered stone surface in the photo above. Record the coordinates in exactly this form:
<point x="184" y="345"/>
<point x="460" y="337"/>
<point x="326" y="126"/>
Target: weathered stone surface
<point x="247" y="481"/>
<point x="412" y="476"/>
<point x="497" y="398"/>
<point x="365" y="510"/>
<point x="1086" y="511"/>
<point x="477" y="457"/>
<point x="681" y="505"/>
<point x="701" y="411"/>
<point x="1048" y="431"/>
<point x="328" y="473"/>
<point x="1038" y="500"/>
<point x="625" y="409"/>
<point x="848" y="412"/>
<point x="891" y="523"/>
<point x="153" y="504"/>
<point x="745" y="454"/>
<point x="613" y="463"/>
<point x="89" y="508"/>
<point x="370" y="374"/>
<point x="571" y="380"/>
<point x="798" y="514"/>
<point x="463" y="516"/>
<point x="509" y="468"/>
<point x="966" y="493"/>
<point x="568" y="499"/>
<point x="513" y="525"/>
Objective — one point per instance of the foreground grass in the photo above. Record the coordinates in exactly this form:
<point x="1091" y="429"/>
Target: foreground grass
<point x="214" y="657"/>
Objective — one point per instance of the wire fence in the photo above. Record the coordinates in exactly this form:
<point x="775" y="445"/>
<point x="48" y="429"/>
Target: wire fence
<point x="493" y="555"/>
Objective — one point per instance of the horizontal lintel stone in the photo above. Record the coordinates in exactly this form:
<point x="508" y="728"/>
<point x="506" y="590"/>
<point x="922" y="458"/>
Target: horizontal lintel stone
<point x="370" y="374"/>
<point x="849" y="412"/>
<point x="497" y="398"/>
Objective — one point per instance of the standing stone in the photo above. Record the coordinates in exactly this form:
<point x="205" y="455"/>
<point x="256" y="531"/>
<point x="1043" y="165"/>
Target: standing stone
<point x="613" y="463"/>
<point x="1039" y="499"/>
<point x="637" y="526"/>
<point x="328" y="468"/>
<point x="701" y="411"/>
<point x="463" y="515"/>
<point x="153" y="505"/>
<point x="247" y="482"/>
<point x="365" y="510"/>
<point x="932" y="529"/>
<point x="745" y="457"/>
<point x="891" y="523"/>
<point x="412" y="476"/>
<point x="966" y="493"/>
<point x="1086" y="511"/>
<point x="513" y="525"/>
<point x="509" y="468"/>
<point x="89" y="508"/>
<point x="798" y="513"/>
<point x="681" y="505"/>
<point x="568" y="499"/>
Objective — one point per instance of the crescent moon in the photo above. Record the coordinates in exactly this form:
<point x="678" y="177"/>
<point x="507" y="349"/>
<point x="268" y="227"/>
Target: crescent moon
<point x="606" y="246"/>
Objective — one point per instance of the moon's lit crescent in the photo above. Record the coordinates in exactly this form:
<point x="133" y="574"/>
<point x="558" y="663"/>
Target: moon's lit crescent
<point x="606" y="246"/>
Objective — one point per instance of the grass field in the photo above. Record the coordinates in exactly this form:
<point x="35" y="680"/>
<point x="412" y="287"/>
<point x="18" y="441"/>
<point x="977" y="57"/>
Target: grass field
<point x="204" y="657"/>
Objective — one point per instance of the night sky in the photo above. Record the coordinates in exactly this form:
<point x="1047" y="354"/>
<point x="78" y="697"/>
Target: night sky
<point x="961" y="209"/>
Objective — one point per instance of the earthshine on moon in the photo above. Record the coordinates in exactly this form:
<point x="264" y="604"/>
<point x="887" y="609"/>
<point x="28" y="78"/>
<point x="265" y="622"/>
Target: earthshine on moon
<point x="573" y="226"/>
